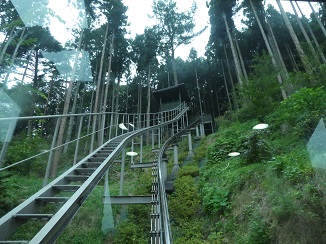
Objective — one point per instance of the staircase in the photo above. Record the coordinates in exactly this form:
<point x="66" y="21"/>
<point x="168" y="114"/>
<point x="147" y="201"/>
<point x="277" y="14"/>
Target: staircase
<point x="51" y="208"/>
<point x="68" y="192"/>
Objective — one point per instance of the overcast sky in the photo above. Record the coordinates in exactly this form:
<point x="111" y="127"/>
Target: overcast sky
<point x="138" y="17"/>
<point x="139" y="10"/>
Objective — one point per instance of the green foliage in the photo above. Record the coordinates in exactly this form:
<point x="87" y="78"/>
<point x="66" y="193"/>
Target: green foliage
<point x="187" y="222"/>
<point x="190" y="170"/>
<point x="14" y="188"/>
<point x="200" y="152"/>
<point x="85" y="227"/>
<point x="8" y="186"/>
<point x="297" y="79"/>
<point x="293" y="166"/>
<point x="259" y="231"/>
<point x="189" y="232"/>
<point x="219" y="185"/>
<point x="256" y="148"/>
<point x="215" y="198"/>
<point x="184" y="189"/>
<point x="302" y="110"/>
<point x="229" y="140"/>
<point x="128" y="232"/>
<point x="321" y="74"/>
<point x="260" y="202"/>
<point x="21" y="147"/>
<point x="262" y="93"/>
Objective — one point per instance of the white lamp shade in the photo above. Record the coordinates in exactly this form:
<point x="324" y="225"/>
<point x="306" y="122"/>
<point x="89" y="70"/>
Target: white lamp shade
<point x="122" y="127"/>
<point x="234" y="154"/>
<point x="260" y="126"/>
<point x="132" y="154"/>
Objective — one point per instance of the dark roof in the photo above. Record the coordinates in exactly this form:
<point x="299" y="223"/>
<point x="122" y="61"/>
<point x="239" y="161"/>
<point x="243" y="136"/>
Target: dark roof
<point x="171" y="93"/>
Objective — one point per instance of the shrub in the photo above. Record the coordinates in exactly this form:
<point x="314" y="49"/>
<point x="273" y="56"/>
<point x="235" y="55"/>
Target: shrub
<point x="228" y="140"/>
<point x="8" y="198"/>
<point x="185" y="193"/>
<point x="262" y="93"/>
<point x="128" y="232"/>
<point x="189" y="232"/>
<point x="302" y="110"/>
<point x="259" y="231"/>
<point x="22" y="147"/>
<point x="215" y="199"/>
<point x="293" y="166"/>
<point x="190" y="170"/>
<point x="256" y="148"/>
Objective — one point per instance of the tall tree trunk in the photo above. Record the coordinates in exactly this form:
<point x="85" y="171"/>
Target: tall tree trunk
<point x="27" y="63"/>
<point x="236" y="105"/>
<point x="104" y="106"/>
<point x="72" y="119"/>
<point x="57" y="153"/>
<point x="23" y="36"/>
<point x="241" y="59"/>
<point x="269" y="49"/>
<point x="290" y="54"/>
<point x="112" y="117"/>
<point x="148" y="102"/>
<point x="11" y="37"/>
<point x="295" y="39"/>
<point x="218" y="104"/>
<point x="311" y="47"/>
<point x="99" y="117"/>
<point x="174" y="68"/>
<point x="47" y="100"/>
<point x="234" y="53"/>
<point x="116" y="110"/>
<point x="277" y="51"/>
<point x="140" y="103"/>
<point x="320" y="51"/>
<point x="90" y="117"/>
<point x="199" y="97"/>
<point x="318" y="20"/>
<point x="35" y="84"/>
<point x="98" y="86"/>
<point x="212" y="107"/>
<point x="226" y="86"/>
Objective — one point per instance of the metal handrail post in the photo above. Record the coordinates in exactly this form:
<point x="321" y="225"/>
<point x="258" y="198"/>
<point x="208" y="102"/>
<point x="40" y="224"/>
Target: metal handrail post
<point x="153" y="138"/>
<point x="141" y="149"/>
<point x="132" y="149"/>
<point x="159" y="132"/>
<point x="123" y="157"/>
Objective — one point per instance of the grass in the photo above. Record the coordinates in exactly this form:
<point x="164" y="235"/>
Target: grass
<point x="276" y="198"/>
<point x="85" y="227"/>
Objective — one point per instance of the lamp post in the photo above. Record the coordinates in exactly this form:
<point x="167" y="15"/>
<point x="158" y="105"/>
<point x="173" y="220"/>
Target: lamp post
<point x="261" y="126"/>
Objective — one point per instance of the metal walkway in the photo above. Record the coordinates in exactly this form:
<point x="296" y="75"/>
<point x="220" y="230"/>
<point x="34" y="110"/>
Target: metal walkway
<point x="70" y="190"/>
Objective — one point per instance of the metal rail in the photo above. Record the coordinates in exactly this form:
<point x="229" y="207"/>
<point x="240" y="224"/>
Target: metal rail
<point x="160" y="220"/>
<point x="126" y="118"/>
<point x="80" y="179"/>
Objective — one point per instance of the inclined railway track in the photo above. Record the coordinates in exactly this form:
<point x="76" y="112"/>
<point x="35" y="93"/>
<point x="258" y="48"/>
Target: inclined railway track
<point x="69" y="191"/>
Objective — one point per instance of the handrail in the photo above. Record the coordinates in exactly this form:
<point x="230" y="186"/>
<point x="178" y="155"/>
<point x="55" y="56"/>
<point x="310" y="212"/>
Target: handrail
<point x="56" y="224"/>
<point x="178" y="108"/>
<point x="165" y="213"/>
<point x="81" y="114"/>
